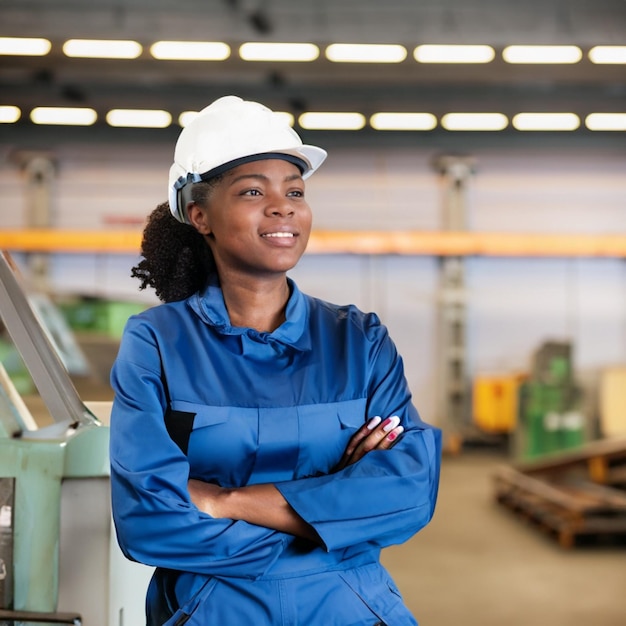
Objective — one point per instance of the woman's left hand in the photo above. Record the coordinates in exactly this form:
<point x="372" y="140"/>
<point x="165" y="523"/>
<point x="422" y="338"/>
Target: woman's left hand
<point x="376" y="434"/>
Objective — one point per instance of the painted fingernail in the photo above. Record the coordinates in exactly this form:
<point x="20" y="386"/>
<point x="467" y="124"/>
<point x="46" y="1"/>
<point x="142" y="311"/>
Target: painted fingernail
<point x="373" y="422"/>
<point x="395" y="433"/>
<point x="391" y="423"/>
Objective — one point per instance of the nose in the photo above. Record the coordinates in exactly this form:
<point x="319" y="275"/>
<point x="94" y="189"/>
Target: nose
<point x="279" y="206"/>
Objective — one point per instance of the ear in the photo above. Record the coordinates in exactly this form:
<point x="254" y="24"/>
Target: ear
<point x="198" y="218"/>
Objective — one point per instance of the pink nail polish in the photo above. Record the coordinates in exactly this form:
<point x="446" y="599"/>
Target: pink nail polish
<point x="390" y="423"/>
<point x="373" y="423"/>
<point x="394" y="434"/>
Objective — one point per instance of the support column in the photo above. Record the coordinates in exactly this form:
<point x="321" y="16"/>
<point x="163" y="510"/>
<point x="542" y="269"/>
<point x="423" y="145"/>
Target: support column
<point x="453" y="397"/>
<point x="40" y="173"/>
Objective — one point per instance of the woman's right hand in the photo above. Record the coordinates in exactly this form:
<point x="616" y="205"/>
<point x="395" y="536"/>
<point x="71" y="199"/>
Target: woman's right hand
<point x="376" y="434"/>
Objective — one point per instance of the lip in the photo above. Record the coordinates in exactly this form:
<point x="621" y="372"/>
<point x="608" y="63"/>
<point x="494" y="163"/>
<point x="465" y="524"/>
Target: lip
<point x="279" y="235"/>
<point x="280" y="241"/>
<point x="280" y="238"/>
<point x="279" y="232"/>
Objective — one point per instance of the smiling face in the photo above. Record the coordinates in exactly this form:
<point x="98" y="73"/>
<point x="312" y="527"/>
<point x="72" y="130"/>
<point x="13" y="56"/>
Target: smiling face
<point x="255" y="219"/>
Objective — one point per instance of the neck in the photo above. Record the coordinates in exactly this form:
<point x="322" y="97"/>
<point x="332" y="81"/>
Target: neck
<point x="258" y="304"/>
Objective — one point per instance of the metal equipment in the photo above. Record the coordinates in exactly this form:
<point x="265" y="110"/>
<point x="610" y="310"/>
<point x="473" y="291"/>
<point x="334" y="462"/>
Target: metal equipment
<point x="59" y="560"/>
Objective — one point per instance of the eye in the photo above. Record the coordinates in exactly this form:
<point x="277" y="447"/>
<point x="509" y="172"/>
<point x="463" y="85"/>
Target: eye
<point x="250" y="192"/>
<point x="296" y="193"/>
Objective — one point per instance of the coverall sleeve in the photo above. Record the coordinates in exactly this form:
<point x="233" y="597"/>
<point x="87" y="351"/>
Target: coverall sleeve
<point x="155" y="520"/>
<point x="388" y="495"/>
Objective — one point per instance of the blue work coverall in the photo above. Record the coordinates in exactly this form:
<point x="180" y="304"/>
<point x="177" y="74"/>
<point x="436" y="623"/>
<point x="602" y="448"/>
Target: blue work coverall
<point x="198" y="398"/>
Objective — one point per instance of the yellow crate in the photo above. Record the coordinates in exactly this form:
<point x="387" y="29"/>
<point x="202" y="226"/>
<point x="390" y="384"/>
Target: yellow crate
<point x="495" y="402"/>
<point x="613" y="401"/>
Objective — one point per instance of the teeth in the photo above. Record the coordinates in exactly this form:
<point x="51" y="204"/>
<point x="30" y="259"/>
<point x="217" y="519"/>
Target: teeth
<point x="278" y="235"/>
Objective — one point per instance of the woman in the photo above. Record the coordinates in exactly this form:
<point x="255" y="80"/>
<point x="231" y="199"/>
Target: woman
<point x="264" y="446"/>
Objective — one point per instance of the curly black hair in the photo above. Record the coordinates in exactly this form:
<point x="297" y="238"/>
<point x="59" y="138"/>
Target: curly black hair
<point x="177" y="261"/>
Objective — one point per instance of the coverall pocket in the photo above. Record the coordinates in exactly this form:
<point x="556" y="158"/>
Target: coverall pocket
<point x="373" y="585"/>
<point x="324" y="432"/>
<point x="223" y="442"/>
<point x="204" y="415"/>
<point x="190" y="613"/>
<point x="182" y="417"/>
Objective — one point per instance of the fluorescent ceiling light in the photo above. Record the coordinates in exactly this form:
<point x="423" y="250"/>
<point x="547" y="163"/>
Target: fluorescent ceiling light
<point x="542" y="54"/>
<point x="606" y="121"/>
<point x="186" y="117"/>
<point x="403" y="121"/>
<point x="9" y="114"/>
<point x="287" y="117"/>
<point x="474" y="121"/>
<point x="65" y="116"/>
<point x="608" y="54"/>
<point x="331" y="121"/>
<point x="24" y="46"/>
<point x="138" y="118"/>
<point x="365" y="53"/>
<point x="430" y="53"/>
<point x="102" y="49"/>
<point x="546" y="121"/>
<point x="258" y="51"/>
<point x="190" y="50"/>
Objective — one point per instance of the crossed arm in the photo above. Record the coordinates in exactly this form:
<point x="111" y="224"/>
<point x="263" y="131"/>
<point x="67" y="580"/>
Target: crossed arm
<point x="265" y="506"/>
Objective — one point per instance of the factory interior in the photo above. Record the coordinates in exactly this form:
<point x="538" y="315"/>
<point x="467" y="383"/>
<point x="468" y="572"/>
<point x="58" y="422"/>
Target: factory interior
<point x="475" y="201"/>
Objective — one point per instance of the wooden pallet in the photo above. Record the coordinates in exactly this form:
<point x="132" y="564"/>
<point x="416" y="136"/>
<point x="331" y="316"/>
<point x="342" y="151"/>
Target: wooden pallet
<point x="570" y="495"/>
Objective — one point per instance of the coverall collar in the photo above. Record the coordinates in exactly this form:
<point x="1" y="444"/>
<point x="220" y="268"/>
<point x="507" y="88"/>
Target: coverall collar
<point x="209" y="305"/>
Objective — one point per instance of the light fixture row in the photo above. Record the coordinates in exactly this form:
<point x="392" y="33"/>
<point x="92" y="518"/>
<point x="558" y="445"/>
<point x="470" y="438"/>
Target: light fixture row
<point x="326" y="120"/>
<point x="307" y="52"/>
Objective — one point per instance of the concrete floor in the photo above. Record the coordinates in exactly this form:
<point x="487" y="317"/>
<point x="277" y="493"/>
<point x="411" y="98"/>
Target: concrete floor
<point x="478" y="564"/>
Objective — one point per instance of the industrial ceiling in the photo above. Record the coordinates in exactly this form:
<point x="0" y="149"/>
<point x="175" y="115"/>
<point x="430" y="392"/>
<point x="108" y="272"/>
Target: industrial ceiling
<point x="57" y="80"/>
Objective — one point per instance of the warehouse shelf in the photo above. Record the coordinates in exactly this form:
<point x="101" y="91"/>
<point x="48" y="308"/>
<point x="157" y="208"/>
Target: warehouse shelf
<point x="427" y="243"/>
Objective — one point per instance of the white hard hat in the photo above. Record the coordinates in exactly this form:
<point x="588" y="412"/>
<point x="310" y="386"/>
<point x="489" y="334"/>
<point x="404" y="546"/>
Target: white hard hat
<point x="227" y="133"/>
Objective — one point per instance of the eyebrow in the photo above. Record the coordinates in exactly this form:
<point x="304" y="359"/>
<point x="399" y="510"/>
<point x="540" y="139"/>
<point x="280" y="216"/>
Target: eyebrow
<point x="263" y="177"/>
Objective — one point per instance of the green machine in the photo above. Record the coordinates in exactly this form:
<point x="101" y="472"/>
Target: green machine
<point x="59" y="561"/>
<point x="551" y="418"/>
